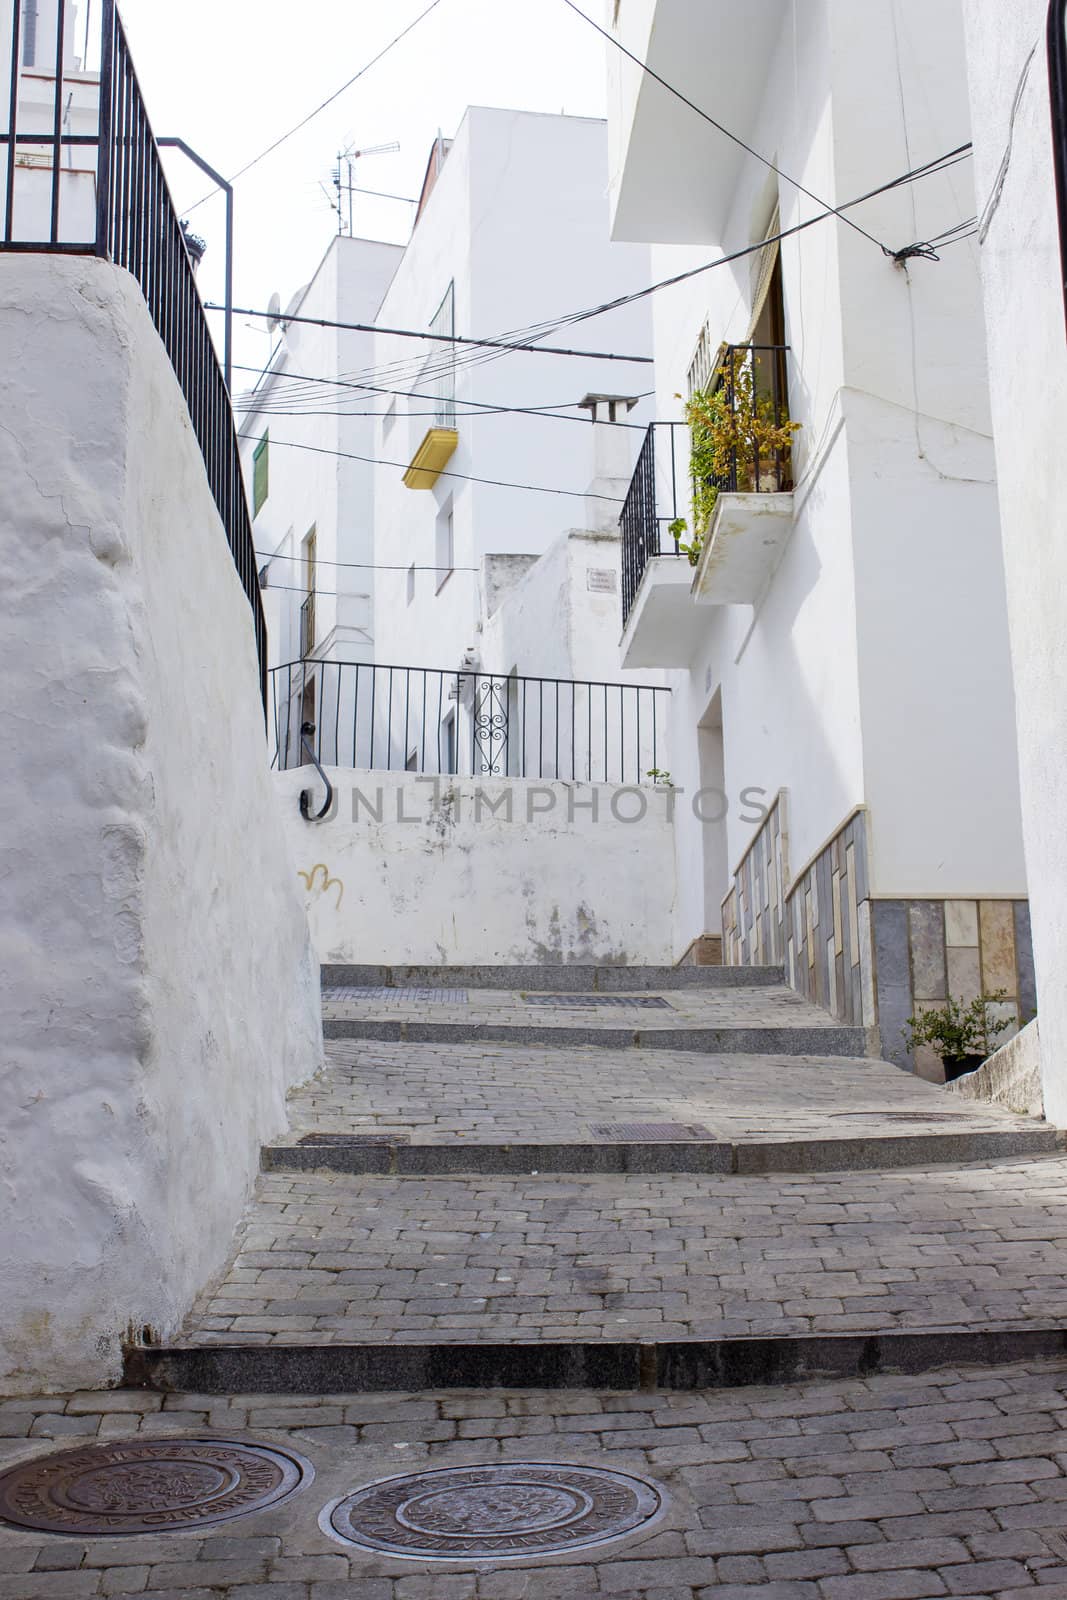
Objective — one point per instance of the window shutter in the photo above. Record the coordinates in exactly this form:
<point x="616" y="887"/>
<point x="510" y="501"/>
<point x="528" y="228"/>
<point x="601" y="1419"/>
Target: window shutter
<point x="260" y="474"/>
<point x="767" y="261"/>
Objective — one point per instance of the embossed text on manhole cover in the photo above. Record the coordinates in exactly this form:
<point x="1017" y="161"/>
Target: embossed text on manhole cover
<point x="349" y="1139"/>
<point x="148" y="1485"/>
<point x="513" y="1512"/>
<point x="439" y="997"/>
<point x="650" y="1132"/>
<point x="576" y="1002"/>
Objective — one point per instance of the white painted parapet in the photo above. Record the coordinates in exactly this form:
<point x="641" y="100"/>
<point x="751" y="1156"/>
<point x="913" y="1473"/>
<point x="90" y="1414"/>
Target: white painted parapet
<point x="420" y="870"/>
<point x="157" y="987"/>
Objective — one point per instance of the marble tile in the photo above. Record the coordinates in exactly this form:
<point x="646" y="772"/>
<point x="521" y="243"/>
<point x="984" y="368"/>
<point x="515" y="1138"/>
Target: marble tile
<point x="865" y="947"/>
<point x="964" y="973"/>
<point x="839" y="936"/>
<point x="890" y="927"/>
<point x="894" y="1009"/>
<point x="961" y="922"/>
<point x="1024" y="957"/>
<point x="926" y="923"/>
<point x="997" y="927"/>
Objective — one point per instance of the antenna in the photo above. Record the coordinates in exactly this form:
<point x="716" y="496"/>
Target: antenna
<point x="274" y="311"/>
<point x="348" y="158"/>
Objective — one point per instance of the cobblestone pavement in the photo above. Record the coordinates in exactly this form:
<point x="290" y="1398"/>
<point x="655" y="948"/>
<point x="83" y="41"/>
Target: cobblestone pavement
<point x="436" y="1093"/>
<point x="763" y="1007"/>
<point x="949" y="1484"/>
<point x="326" y="1257"/>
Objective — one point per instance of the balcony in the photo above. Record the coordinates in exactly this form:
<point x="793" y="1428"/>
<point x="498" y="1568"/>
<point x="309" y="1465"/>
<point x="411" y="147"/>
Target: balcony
<point x="674" y="176"/>
<point x="660" y="624"/>
<point x="741" y="505"/>
<point x="752" y="513"/>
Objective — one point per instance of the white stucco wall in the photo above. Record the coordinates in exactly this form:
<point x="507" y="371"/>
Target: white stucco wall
<point x="518" y="220"/>
<point x="157" y="985"/>
<point x="321" y="444"/>
<point x="873" y="668"/>
<point x="1022" y="278"/>
<point x="446" y="877"/>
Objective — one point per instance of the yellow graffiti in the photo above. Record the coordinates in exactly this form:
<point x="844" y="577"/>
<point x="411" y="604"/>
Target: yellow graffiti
<point x="311" y="883"/>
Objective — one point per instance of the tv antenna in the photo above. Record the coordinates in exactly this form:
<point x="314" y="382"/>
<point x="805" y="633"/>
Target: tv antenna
<point x="346" y="161"/>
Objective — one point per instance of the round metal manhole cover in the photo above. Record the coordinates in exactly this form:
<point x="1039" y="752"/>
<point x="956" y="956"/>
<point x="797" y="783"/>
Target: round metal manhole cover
<point x="498" y="1513"/>
<point x="149" y="1485"/>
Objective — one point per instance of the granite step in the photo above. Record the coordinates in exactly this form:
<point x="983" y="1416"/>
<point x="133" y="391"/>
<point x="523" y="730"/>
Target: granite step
<point x="570" y="978"/>
<point x="370" y="1281"/>
<point x="381" y="1155"/>
<point x="390" y="1107"/>
<point x="824" y="1039"/>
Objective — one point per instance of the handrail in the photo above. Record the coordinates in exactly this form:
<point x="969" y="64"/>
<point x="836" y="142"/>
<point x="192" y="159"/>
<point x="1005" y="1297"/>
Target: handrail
<point x="307" y="729"/>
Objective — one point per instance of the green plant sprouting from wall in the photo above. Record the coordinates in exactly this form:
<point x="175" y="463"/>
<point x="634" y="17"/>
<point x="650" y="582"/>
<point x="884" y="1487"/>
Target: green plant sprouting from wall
<point x="735" y="430"/>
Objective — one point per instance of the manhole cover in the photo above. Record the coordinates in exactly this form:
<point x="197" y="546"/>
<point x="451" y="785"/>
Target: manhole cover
<point x="441" y="997"/>
<point x="498" y="1513"/>
<point x="649" y="1132"/>
<point x="647" y="1002"/>
<point x="350" y="1139"/>
<point x="144" y="1485"/>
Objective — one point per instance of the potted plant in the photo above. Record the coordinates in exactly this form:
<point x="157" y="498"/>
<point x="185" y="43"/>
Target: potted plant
<point x="963" y="1036"/>
<point x="738" y="439"/>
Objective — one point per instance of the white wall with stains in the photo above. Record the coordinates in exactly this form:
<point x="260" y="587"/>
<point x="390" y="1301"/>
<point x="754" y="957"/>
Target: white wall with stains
<point x="413" y="870"/>
<point x="158" y="991"/>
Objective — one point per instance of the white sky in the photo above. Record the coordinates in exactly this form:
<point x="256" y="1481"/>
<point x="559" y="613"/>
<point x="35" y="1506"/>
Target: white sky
<point x="229" y="76"/>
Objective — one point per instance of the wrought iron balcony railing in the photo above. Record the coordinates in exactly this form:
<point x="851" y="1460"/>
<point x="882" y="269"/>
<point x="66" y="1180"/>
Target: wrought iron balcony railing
<point x="468" y="724"/>
<point x="749" y="415"/>
<point x="80" y="174"/>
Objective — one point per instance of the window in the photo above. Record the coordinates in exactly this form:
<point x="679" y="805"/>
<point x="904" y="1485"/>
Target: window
<point x="445" y="545"/>
<point x="307" y="610"/>
<point x="1057" y="73"/>
<point x="412" y="763"/>
<point x="703" y="364"/>
<point x="260" y="474"/>
<point x="438" y="376"/>
<point x="448" y="728"/>
<point x="411" y="584"/>
<point x="390" y="419"/>
<point x="29" y="33"/>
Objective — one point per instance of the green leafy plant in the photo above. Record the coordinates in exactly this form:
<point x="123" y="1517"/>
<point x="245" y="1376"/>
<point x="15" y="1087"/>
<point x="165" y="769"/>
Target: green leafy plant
<point x="733" y="432"/>
<point x="955" y="1030"/>
<point x="659" y="776"/>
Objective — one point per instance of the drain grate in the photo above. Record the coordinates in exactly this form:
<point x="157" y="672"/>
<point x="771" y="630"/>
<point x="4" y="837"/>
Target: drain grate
<point x="650" y="1132"/>
<point x="433" y="997"/>
<point x="349" y="1139"/>
<point x="133" y="1486"/>
<point x="647" y="1002"/>
<point x="512" y="1512"/>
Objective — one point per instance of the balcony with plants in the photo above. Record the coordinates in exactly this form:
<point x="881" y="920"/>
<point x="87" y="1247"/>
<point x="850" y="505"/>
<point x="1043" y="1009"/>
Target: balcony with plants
<point x="709" y="506"/>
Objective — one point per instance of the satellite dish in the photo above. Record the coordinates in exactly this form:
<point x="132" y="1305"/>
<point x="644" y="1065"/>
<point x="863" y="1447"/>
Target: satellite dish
<point x="274" y="311"/>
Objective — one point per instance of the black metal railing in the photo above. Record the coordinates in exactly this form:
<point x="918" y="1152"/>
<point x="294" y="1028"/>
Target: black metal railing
<point x="658" y="495"/>
<point x="750" y="391"/>
<point x="468" y="724"/>
<point x="116" y="205"/>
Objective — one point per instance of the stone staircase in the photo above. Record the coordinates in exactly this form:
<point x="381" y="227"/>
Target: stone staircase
<point x="621" y="1179"/>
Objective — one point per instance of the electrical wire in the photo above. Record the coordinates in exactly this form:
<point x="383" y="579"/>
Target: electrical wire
<point x="437" y="338"/>
<point x="467" y="477"/>
<point x="931" y="168"/>
<point x="350" y="594"/>
<point x="480" y="408"/>
<point x="362" y="566"/>
<point x="373" y="62"/>
<point x="831" y="210"/>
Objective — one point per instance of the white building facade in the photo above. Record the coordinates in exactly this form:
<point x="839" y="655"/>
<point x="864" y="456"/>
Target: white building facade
<point x="842" y="679"/>
<point x="492" y="460"/>
<point x="1017" y="59"/>
<point x="307" y="448"/>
